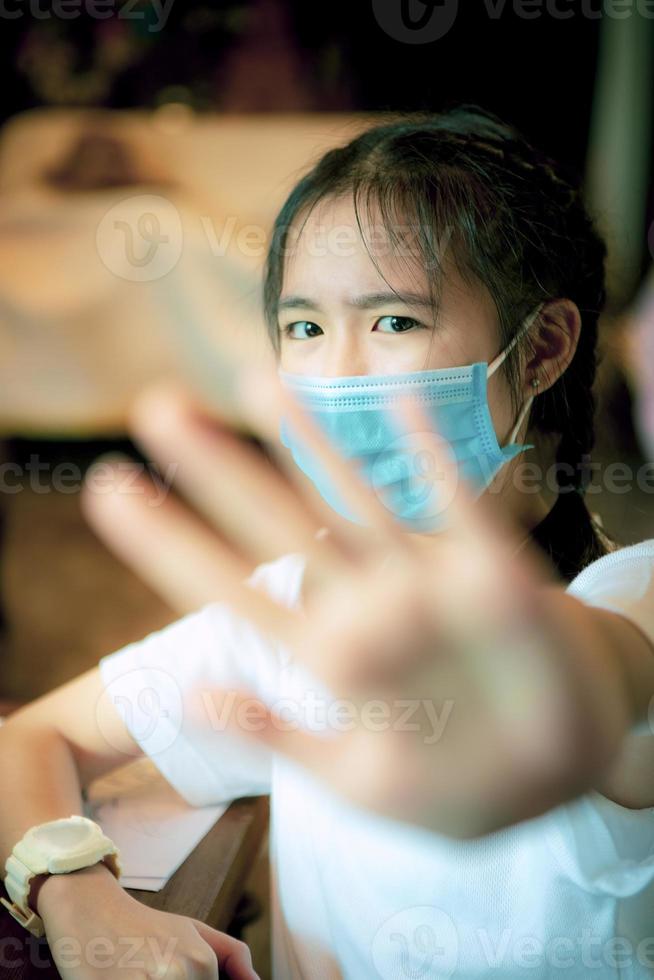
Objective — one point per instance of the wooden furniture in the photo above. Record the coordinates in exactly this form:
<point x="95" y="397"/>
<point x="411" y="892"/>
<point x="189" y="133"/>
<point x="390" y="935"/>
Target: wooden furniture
<point x="208" y="884"/>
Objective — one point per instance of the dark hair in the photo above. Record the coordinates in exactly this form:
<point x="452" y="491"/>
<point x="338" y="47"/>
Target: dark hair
<point x="516" y="222"/>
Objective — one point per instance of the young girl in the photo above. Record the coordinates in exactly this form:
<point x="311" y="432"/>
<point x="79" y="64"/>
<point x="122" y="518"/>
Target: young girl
<point x="494" y="264"/>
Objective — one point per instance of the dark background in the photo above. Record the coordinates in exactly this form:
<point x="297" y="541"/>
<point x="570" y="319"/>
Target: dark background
<point x="536" y="73"/>
<point x="292" y="55"/>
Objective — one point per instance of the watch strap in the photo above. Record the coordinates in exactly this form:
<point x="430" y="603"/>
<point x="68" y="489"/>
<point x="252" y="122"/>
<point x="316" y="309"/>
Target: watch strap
<point x="19" y="877"/>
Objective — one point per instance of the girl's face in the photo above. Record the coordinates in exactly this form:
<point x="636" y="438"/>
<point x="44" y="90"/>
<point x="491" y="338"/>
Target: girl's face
<point x="337" y="315"/>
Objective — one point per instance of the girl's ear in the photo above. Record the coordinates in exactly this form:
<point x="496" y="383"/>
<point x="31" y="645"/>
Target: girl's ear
<point x="555" y="340"/>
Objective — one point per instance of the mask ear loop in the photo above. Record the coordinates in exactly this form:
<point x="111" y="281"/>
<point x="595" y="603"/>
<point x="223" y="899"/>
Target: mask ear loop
<point x="492" y="367"/>
<point x="525" y="408"/>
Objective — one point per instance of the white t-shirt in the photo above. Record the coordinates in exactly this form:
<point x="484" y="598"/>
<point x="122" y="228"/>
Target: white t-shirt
<point x="568" y="894"/>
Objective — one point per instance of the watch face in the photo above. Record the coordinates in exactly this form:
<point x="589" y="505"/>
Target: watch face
<point x="62" y="836"/>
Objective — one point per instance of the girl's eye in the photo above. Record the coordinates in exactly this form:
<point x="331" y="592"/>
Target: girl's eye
<point x="289" y="330"/>
<point x="305" y="329"/>
<point x="398" y="324"/>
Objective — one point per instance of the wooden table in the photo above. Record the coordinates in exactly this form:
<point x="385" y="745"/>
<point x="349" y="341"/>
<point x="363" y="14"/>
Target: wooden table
<point x="206" y="886"/>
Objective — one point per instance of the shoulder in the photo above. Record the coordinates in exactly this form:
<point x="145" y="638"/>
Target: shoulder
<point x="622" y="582"/>
<point x="625" y="571"/>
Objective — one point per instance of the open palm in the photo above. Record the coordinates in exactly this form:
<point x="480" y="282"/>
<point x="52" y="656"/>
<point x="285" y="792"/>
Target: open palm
<point x="454" y="670"/>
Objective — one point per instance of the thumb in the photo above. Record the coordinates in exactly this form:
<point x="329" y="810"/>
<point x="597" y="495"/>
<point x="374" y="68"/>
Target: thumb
<point x="233" y="955"/>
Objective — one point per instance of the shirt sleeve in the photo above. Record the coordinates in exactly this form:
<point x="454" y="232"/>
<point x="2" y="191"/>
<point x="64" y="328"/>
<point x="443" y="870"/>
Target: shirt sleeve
<point x="604" y="847"/>
<point x="164" y="688"/>
<point x="622" y="581"/>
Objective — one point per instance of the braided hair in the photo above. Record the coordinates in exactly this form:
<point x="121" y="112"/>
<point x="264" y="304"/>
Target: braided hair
<point x="515" y="221"/>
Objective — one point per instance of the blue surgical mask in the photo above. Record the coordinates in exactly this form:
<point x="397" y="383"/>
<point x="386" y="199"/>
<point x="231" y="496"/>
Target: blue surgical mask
<point x="356" y="413"/>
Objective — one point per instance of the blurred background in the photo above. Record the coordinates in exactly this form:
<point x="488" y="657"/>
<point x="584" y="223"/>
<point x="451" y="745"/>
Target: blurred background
<point x="185" y="123"/>
<point x="140" y="128"/>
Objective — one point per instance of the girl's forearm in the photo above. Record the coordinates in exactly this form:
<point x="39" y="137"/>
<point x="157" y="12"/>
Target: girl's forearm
<point x="39" y="774"/>
<point x="38" y="770"/>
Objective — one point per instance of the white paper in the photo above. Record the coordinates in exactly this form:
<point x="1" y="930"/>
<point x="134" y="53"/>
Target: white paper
<point x="154" y="828"/>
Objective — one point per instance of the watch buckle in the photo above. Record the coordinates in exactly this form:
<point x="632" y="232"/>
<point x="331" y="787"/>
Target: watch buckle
<point x="32" y="922"/>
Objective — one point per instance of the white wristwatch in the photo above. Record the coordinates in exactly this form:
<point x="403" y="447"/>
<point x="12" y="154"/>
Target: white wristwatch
<point x="55" y="847"/>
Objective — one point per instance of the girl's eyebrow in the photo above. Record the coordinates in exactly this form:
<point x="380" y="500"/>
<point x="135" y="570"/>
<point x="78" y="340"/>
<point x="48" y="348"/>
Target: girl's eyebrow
<point x="362" y="302"/>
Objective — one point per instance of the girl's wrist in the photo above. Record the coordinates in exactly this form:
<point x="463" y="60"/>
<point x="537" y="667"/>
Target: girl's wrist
<point x="50" y="888"/>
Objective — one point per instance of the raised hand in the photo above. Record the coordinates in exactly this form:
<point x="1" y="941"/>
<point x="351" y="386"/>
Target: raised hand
<point x="463" y="668"/>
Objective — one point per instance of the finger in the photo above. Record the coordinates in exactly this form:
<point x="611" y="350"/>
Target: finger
<point x="462" y="517"/>
<point x="496" y="539"/>
<point x="466" y="517"/>
<point x="482" y="546"/>
<point x="234" y="957"/>
<point x="355" y="542"/>
<point x="502" y="642"/>
<point x="274" y="401"/>
<point x="372" y="633"/>
<point x="172" y="550"/>
<point x="229" y="482"/>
